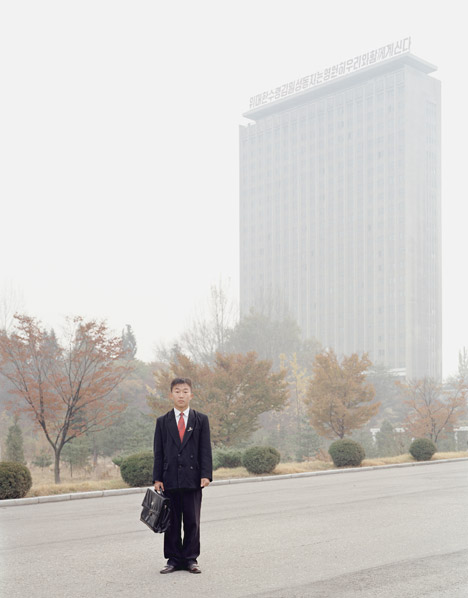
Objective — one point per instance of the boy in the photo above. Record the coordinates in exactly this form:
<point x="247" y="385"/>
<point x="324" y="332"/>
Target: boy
<point x="182" y="468"/>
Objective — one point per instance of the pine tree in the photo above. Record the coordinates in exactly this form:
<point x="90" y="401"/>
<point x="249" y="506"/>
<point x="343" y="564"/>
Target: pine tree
<point x="129" y="341"/>
<point x="76" y="453"/>
<point x="14" y="444"/>
<point x="43" y="460"/>
<point x="387" y="445"/>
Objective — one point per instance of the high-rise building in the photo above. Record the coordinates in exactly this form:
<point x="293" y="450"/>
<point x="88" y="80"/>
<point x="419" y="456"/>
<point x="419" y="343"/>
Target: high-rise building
<point x="340" y="208"/>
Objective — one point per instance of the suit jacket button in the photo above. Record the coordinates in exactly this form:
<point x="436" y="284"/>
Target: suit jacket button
<point x="178" y="455"/>
<point x="191" y="467"/>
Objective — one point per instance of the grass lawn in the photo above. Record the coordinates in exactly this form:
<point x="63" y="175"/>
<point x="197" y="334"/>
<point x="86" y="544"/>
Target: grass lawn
<point x="107" y="475"/>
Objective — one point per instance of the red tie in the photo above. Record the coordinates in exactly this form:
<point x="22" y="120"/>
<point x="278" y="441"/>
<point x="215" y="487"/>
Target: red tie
<point x="181" y="426"/>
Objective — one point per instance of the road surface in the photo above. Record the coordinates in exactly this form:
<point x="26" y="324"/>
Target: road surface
<point x="382" y="533"/>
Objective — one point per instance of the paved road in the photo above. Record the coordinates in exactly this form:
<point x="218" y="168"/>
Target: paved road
<point x="385" y="533"/>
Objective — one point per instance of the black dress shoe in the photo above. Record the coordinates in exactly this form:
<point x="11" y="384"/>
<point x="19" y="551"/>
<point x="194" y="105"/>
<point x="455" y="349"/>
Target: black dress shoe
<point x="194" y="568"/>
<point x="168" y="569"/>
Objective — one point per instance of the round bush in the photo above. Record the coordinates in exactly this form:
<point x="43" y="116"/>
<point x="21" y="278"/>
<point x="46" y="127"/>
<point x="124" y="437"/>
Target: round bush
<point x="227" y="458"/>
<point x="216" y="464"/>
<point x="137" y="470"/>
<point x="346" y="453"/>
<point x="275" y="453"/>
<point x="260" y="459"/>
<point x="422" y="449"/>
<point x="15" y="480"/>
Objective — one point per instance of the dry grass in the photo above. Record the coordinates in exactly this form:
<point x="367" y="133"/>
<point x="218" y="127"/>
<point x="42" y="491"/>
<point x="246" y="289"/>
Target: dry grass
<point x="224" y="473"/>
<point x="107" y="475"/>
<point x="228" y="473"/>
<point x="302" y="467"/>
<point x="458" y="455"/>
<point x="68" y="487"/>
<point x="409" y="459"/>
<point x="387" y="460"/>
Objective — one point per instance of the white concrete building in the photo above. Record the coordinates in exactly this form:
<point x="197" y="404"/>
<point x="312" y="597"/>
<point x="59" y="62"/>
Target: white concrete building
<point x="340" y="212"/>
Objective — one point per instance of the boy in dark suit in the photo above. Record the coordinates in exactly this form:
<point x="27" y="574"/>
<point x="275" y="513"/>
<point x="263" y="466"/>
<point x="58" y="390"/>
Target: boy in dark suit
<point x="182" y="468"/>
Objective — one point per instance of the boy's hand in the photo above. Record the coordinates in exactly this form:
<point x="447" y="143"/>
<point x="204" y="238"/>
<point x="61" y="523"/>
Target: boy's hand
<point x="158" y="486"/>
<point x="204" y="482"/>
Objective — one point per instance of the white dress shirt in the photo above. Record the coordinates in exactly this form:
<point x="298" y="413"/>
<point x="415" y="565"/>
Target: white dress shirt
<point x="185" y="414"/>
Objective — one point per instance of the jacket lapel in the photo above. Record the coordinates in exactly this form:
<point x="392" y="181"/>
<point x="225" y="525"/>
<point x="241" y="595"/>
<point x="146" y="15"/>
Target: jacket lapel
<point x="189" y="430"/>
<point x="172" y="427"/>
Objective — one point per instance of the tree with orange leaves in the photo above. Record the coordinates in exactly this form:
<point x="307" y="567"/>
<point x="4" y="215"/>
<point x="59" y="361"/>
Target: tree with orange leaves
<point x="432" y="407"/>
<point x="339" y="399"/>
<point x="233" y="391"/>
<point x="66" y="387"/>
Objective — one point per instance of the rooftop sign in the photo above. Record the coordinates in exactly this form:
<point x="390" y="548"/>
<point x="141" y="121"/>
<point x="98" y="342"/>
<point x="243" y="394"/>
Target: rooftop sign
<point x="328" y="74"/>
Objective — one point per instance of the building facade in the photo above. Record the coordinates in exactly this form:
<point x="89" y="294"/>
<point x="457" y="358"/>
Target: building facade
<point x="340" y="213"/>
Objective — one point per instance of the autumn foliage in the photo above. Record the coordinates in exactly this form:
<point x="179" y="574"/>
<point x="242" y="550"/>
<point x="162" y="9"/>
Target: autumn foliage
<point x="433" y="409"/>
<point x="234" y="391"/>
<point x="66" y="387"/>
<point x="339" y="399"/>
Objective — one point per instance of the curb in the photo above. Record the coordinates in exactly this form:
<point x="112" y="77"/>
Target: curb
<point x="16" y="502"/>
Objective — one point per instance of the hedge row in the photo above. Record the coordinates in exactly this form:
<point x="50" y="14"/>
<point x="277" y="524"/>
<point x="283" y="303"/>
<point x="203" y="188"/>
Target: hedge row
<point x="137" y="470"/>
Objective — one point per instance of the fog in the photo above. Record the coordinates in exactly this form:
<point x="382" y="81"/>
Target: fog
<point x="119" y="145"/>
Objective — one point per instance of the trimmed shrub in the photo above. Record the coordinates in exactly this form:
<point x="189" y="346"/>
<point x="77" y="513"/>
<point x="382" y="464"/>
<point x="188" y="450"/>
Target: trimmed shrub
<point x="422" y="449"/>
<point x="226" y="458"/>
<point x="15" y="480"/>
<point x="216" y="464"/>
<point x="260" y="459"/>
<point x="137" y="470"/>
<point x="117" y="460"/>
<point x="346" y="453"/>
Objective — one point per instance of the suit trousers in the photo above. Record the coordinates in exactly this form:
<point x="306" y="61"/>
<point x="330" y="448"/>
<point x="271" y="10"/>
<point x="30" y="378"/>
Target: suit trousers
<point x="185" y="509"/>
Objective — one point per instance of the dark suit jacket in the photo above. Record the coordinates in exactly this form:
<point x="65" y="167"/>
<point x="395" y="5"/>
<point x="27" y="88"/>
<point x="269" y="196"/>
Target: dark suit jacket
<point x="182" y="465"/>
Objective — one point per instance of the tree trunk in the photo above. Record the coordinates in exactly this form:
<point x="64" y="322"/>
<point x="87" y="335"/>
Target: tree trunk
<point x="57" y="467"/>
<point x="95" y="453"/>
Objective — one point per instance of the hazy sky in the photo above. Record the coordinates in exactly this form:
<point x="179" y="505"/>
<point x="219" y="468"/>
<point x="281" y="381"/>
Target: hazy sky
<point x="119" y="144"/>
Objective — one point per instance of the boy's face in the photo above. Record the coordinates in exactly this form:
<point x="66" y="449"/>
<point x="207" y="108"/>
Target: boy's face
<point x="181" y="396"/>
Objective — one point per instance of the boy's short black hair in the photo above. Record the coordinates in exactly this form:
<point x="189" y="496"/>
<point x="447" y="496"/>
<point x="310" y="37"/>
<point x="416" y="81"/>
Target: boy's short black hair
<point x="181" y="381"/>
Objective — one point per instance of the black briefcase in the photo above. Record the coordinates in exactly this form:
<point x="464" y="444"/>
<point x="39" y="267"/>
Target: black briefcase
<point x="156" y="511"/>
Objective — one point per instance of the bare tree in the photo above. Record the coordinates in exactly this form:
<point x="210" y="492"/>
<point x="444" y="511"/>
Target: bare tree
<point x="11" y="302"/>
<point x="208" y="332"/>
<point x="432" y="407"/>
<point x="463" y="366"/>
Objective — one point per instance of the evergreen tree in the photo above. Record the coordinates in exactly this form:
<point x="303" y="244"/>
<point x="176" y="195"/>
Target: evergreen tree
<point x="267" y="337"/>
<point x="387" y="445"/>
<point x="387" y="393"/>
<point x="129" y="341"/>
<point x="365" y="439"/>
<point x="43" y="460"/>
<point x="14" y="444"/>
<point x="133" y="432"/>
<point x="76" y="453"/>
